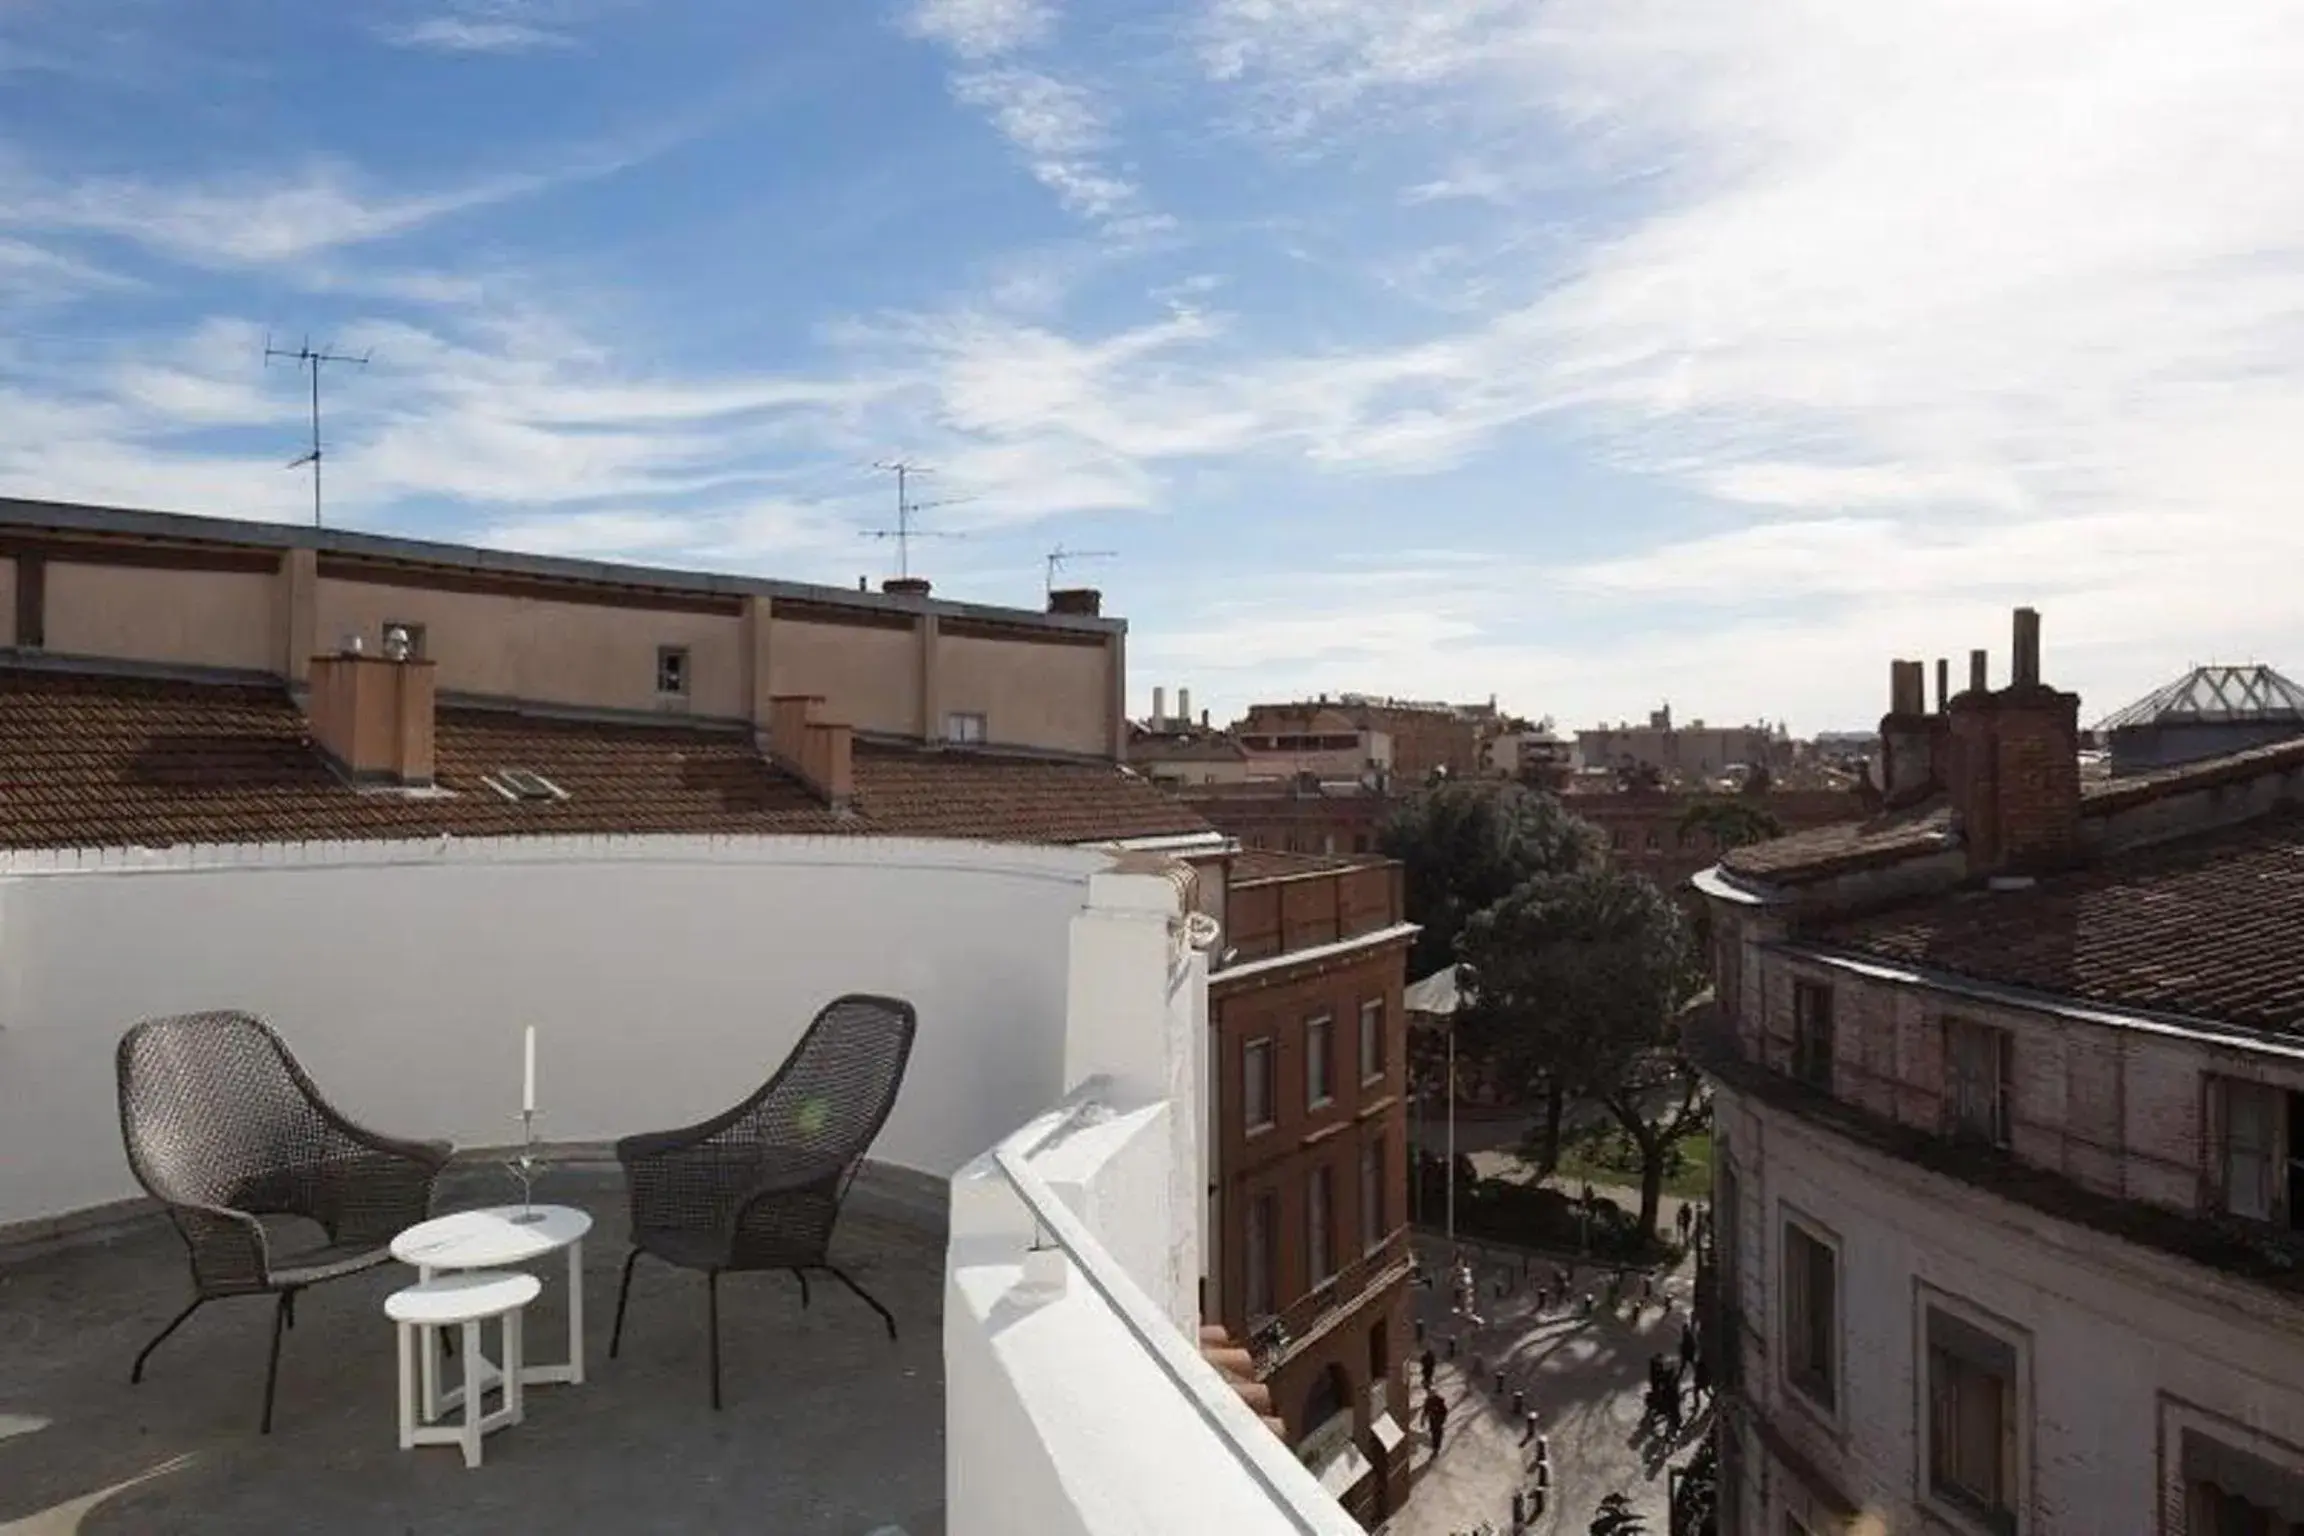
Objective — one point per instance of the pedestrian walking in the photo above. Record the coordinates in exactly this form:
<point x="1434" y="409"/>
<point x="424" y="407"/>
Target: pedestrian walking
<point x="1671" y="1387"/>
<point x="1688" y="1342"/>
<point x="1435" y="1419"/>
<point x="1431" y="1363"/>
<point x="1687" y="1219"/>
<point x="1701" y="1378"/>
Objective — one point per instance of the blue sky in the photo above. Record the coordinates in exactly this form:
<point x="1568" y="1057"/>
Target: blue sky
<point x="1583" y="352"/>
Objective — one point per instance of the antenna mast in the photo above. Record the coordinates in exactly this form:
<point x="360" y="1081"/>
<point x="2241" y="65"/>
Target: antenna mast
<point x="1060" y="557"/>
<point x="304" y="357"/>
<point x="908" y="511"/>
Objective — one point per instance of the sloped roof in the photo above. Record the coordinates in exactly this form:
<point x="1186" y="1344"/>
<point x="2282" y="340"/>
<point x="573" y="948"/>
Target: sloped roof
<point x="95" y="760"/>
<point x="2214" y="696"/>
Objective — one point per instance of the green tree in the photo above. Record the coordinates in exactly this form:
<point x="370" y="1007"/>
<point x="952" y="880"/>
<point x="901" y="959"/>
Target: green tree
<point x="1731" y="823"/>
<point x="1464" y="846"/>
<point x="1576" y="984"/>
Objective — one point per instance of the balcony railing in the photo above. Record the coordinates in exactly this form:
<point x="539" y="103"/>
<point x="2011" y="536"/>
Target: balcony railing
<point x="1304" y="1320"/>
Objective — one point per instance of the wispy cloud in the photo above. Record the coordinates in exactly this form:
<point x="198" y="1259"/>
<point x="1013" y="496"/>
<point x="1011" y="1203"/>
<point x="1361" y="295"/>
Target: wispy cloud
<point x="982" y="29"/>
<point x="1056" y="128"/>
<point x="464" y="34"/>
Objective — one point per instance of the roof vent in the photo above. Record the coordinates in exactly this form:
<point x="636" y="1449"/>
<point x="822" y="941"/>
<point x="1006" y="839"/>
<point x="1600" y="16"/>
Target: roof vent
<point x="521" y="784"/>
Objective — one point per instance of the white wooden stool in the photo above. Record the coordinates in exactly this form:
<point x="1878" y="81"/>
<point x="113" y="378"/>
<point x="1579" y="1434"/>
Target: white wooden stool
<point x="467" y="1299"/>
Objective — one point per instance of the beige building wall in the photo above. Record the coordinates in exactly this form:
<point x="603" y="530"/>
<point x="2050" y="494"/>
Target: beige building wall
<point x="544" y="650"/>
<point x="141" y="613"/>
<point x="869" y="675"/>
<point x="1039" y="695"/>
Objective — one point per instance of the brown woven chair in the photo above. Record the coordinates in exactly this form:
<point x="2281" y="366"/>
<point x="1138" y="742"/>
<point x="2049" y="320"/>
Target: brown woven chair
<point x="223" y="1128"/>
<point x="760" y="1187"/>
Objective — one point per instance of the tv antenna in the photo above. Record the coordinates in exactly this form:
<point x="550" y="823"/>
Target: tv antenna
<point x="304" y="357"/>
<point x="1060" y="557"/>
<point x="908" y="511"/>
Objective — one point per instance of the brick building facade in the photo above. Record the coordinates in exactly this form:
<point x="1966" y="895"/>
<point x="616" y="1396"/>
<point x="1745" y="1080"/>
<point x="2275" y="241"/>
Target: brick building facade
<point x="1295" y="817"/>
<point x="1310" y="1160"/>
<point x="1646" y="835"/>
<point x="2010" y="1163"/>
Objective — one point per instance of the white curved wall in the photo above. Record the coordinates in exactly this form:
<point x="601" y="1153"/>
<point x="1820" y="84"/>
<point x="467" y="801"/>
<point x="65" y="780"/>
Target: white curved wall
<point x="666" y="977"/>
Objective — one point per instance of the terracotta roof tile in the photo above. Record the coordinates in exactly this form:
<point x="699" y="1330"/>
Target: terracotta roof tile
<point x="2211" y="927"/>
<point x="92" y="760"/>
<point x="1842" y="847"/>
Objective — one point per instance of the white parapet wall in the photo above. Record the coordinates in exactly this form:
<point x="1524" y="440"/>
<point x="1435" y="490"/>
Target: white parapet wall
<point x="665" y="977"/>
<point x="1076" y="1400"/>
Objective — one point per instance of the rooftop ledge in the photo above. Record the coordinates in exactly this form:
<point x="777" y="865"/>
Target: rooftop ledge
<point x="1051" y="1381"/>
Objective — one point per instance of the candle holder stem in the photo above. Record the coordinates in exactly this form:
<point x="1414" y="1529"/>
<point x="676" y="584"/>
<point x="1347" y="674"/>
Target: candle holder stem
<point x="524" y="1169"/>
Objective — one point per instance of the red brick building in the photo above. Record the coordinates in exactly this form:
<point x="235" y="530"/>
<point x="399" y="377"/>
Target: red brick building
<point x="1300" y="816"/>
<point x="1309" y="1040"/>
<point x="1645" y="832"/>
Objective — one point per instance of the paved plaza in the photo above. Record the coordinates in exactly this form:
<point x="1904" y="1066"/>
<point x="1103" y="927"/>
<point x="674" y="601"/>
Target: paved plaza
<point x="1584" y="1376"/>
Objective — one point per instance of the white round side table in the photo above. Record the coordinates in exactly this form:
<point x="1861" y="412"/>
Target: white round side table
<point x="496" y="1238"/>
<point x="466" y="1300"/>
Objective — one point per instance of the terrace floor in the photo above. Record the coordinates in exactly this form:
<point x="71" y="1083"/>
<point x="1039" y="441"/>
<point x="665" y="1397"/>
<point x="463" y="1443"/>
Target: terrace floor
<point x="829" y="1429"/>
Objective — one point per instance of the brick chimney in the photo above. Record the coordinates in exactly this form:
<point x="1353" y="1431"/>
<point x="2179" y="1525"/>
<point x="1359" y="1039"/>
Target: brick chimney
<point x="1910" y="770"/>
<point x="373" y="715"/>
<point x="2014" y="772"/>
<point x="820" y="753"/>
<point x="905" y="586"/>
<point x="1085" y="601"/>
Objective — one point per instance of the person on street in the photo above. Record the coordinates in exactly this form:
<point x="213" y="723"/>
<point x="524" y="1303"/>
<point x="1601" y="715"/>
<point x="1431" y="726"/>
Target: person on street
<point x="1688" y="1342"/>
<point x="1430" y="1362"/>
<point x="1701" y="1378"/>
<point x="1435" y="1419"/>
<point x="1686" y="1218"/>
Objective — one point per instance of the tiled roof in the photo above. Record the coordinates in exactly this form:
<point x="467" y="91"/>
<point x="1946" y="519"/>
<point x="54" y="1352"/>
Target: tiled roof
<point x="1276" y="864"/>
<point x="1842" y="847"/>
<point x="1183" y="747"/>
<point x="2211" y="927"/>
<point x="89" y="760"/>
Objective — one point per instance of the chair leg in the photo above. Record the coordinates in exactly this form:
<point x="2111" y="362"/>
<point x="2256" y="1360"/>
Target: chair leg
<point x="870" y="1300"/>
<point x="136" y="1371"/>
<point x="623" y="1294"/>
<point x="712" y="1310"/>
<point x="272" y="1366"/>
<point x="801" y="1275"/>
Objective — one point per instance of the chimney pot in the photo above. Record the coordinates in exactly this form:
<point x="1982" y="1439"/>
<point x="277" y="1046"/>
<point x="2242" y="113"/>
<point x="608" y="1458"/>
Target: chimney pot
<point x="1979" y="671"/>
<point x="1943" y="684"/>
<point x="905" y="586"/>
<point x="1086" y="602"/>
<point x="2025" y="672"/>
<point x="1184" y="704"/>
<point x="1159" y="707"/>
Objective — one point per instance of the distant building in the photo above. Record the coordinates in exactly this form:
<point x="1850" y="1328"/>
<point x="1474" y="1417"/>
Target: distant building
<point x="1647" y="831"/>
<point x="1694" y="751"/>
<point x="1311" y="1160"/>
<point x="1406" y="739"/>
<point x="1302" y="815"/>
<point x="2207" y="712"/>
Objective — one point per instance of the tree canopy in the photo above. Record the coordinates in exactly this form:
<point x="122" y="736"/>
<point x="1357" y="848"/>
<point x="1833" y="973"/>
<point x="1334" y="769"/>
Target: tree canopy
<point x="1463" y="846"/>
<point x="1731" y="822"/>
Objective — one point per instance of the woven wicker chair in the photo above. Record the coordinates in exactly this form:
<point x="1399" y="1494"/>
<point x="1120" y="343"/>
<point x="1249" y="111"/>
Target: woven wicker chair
<point x="760" y="1187"/>
<point x="223" y="1127"/>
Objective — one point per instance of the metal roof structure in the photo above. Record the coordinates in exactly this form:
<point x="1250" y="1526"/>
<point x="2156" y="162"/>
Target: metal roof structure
<point x="2215" y="696"/>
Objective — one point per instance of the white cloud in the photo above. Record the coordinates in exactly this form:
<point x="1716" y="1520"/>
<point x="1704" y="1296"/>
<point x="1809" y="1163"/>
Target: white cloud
<point x="467" y="34"/>
<point x="1057" y="129"/>
<point x="982" y="29"/>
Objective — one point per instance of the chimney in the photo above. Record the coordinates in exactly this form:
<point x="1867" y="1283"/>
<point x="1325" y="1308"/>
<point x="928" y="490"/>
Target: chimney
<point x="816" y="751"/>
<point x="905" y="586"/>
<point x="1184" y="705"/>
<point x="1979" y="671"/>
<point x="1909" y="770"/>
<point x="1087" y="602"/>
<point x="373" y="715"/>
<point x="1159" y="707"/>
<point x="2015" y="770"/>
<point x="1203" y="719"/>
<point x="1943" y="684"/>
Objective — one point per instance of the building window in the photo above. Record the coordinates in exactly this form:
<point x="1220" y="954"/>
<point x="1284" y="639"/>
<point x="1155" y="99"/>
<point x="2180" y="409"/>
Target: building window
<point x="1263" y="1217"/>
<point x="672" y="671"/>
<point x="1812" y="1034"/>
<point x="2230" y="1492"/>
<point x="1616" y="837"/>
<point x="1811" y="1315"/>
<point x="1320" y="1226"/>
<point x="1972" y="1421"/>
<point x="1976" y="1058"/>
<point x="1651" y="840"/>
<point x="1319" y="1062"/>
<point x="964" y="729"/>
<point x="2262" y="1149"/>
<point x="1256" y="1085"/>
<point x="1371" y="1040"/>
<point x="1359" y="842"/>
<point x="1373" y="1228"/>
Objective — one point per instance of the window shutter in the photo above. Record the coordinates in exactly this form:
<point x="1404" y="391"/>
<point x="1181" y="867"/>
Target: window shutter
<point x="2248" y="1150"/>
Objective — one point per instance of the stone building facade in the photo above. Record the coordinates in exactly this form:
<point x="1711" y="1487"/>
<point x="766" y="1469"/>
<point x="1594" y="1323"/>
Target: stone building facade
<point x="2010" y="1162"/>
